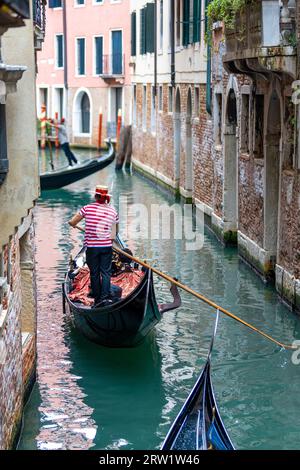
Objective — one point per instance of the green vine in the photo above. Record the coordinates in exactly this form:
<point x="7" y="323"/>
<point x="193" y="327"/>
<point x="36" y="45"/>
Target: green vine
<point x="226" y="11"/>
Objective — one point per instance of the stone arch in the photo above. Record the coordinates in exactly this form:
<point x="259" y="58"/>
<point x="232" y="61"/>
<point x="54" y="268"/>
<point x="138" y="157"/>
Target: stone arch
<point x="272" y="172"/>
<point x="82" y="112"/>
<point x="189" y="145"/>
<point x="177" y="137"/>
<point x="230" y="185"/>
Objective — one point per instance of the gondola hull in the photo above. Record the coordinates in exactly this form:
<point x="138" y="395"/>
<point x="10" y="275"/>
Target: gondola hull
<point x="60" y="178"/>
<point x="199" y="426"/>
<point x="124" y="323"/>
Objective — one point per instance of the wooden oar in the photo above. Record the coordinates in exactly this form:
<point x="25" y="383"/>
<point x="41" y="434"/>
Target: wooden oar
<point x="200" y="296"/>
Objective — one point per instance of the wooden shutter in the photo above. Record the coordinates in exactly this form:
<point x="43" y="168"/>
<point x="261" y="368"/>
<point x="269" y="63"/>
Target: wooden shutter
<point x="133" y="33"/>
<point x="99" y="55"/>
<point x="186" y="23"/>
<point x="197" y="21"/>
<point x="150" y="27"/>
<point x="143" y="31"/>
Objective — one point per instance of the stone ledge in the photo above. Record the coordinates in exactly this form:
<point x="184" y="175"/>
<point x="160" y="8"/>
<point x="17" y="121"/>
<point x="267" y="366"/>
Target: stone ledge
<point x="258" y="258"/>
<point x="288" y="287"/>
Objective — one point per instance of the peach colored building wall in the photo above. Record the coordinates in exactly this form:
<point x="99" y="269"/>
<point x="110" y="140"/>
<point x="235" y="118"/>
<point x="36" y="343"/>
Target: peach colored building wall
<point x="88" y="20"/>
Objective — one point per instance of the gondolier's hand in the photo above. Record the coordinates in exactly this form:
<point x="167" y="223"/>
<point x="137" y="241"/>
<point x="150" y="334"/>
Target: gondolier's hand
<point x="80" y="228"/>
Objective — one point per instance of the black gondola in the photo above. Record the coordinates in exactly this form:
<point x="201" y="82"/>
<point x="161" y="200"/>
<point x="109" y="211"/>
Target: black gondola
<point x="198" y="425"/>
<point x="126" y="322"/>
<point x="64" y="176"/>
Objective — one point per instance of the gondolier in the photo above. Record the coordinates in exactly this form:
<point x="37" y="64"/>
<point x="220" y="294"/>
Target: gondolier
<point x="101" y="227"/>
<point x="64" y="141"/>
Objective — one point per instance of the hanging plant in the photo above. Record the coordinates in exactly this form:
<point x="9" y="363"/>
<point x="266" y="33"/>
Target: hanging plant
<point x="226" y="11"/>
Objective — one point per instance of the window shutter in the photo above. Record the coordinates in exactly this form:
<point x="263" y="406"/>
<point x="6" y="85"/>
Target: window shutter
<point x="197" y="21"/>
<point x="60" y="56"/>
<point x="81" y="56"/>
<point x="54" y="3"/>
<point x="150" y="29"/>
<point x="99" y="55"/>
<point x="133" y="34"/>
<point x="186" y="22"/>
<point x="143" y="31"/>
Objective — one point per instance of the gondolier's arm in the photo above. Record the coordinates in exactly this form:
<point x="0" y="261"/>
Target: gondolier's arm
<point x="75" y="220"/>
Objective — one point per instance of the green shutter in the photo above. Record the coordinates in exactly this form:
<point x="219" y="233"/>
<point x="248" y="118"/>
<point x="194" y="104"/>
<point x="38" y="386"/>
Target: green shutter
<point x="99" y="55"/>
<point x="197" y="21"/>
<point x="150" y="27"/>
<point x="133" y="33"/>
<point x="186" y="23"/>
<point x="143" y="31"/>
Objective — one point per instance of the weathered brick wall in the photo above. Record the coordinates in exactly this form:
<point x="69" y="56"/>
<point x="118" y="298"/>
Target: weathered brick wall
<point x="289" y="237"/>
<point x="17" y="347"/>
<point x="11" y="387"/>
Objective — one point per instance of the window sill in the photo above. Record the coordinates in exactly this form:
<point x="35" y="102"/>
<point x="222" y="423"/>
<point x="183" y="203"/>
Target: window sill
<point x="82" y="135"/>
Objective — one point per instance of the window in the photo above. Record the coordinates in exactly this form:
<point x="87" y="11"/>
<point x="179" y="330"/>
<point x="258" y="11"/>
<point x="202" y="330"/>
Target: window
<point x="117" y="52"/>
<point x="134" y="106"/>
<point x="218" y="119"/>
<point x="186" y="23"/>
<point x="160" y="98"/>
<point x="59" y="51"/>
<point x="79" y="2"/>
<point x="55" y="3"/>
<point x="259" y="126"/>
<point x="144" y="111"/>
<point x="80" y="64"/>
<point x="197" y="101"/>
<point x="153" y="110"/>
<point x="85" y="114"/>
<point x="245" y="124"/>
<point x="98" y="45"/>
<point x="178" y="23"/>
<point x="98" y="2"/>
<point x="170" y="99"/>
<point x="147" y="28"/>
<point x="133" y="34"/>
<point x="196" y="20"/>
<point x="161" y="24"/>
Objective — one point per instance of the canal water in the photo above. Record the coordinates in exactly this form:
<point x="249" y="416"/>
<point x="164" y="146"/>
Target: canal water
<point x="90" y="397"/>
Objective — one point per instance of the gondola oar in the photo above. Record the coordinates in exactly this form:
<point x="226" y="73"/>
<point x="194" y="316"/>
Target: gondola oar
<point x="200" y="297"/>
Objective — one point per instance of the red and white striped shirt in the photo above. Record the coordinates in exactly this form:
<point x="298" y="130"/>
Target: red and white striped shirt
<point x="99" y="220"/>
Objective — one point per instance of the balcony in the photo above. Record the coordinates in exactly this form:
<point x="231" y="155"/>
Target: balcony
<point x="13" y="13"/>
<point x="112" y="70"/>
<point x="39" y="21"/>
<point x="263" y="39"/>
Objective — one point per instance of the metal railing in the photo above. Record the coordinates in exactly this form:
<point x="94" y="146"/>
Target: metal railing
<point x="112" y="65"/>
<point x="39" y="13"/>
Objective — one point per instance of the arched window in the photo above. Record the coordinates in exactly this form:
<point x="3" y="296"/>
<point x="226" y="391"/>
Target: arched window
<point x="85" y="114"/>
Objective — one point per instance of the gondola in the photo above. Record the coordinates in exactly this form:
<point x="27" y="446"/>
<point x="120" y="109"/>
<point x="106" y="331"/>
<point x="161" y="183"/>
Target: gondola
<point x="198" y="425"/>
<point x="127" y="321"/>
<point x="58" y="178"/>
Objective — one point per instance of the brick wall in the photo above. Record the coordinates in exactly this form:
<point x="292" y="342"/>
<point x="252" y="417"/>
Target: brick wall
<point x="17" y="348"/>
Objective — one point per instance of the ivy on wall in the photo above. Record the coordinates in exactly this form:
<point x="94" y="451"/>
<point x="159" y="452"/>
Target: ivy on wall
<point x="225" y="10"/>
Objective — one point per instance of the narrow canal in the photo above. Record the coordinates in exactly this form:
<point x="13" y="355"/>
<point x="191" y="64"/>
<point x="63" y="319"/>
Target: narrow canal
<point x="89" y="397"/>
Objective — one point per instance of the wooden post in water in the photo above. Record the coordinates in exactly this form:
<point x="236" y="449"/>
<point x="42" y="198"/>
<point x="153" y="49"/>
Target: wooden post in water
<point x="119" y="124"/>
<point x="43" y="126"/>
<point x="56" y="131"/>
<point x="100" y="128"/>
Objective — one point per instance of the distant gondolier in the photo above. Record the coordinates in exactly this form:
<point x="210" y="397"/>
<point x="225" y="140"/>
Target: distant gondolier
<point x="101" y="226"/>
<point x="64" y="141"/>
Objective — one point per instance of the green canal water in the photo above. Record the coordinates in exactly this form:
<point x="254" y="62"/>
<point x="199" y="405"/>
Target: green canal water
<point x="89" y="397"/>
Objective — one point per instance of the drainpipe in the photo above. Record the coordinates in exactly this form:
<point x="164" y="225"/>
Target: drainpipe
<point x="155" y="47"/>
<point x="65" y="32"/>
<point x="172" y="43"/>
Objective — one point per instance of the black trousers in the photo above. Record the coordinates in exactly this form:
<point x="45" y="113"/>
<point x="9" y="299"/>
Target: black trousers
<point x="69" y="154"/>
<point x="99" y="262"/>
